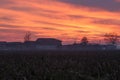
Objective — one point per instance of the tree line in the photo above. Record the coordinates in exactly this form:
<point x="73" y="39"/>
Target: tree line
<point x="109" y="38"/>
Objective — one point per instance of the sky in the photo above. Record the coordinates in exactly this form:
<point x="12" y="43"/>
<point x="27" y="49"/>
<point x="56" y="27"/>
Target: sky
<point x="67" y="20"/>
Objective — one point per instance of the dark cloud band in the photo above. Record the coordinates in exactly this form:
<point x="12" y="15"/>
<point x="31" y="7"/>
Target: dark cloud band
<point x="110" y="5"/>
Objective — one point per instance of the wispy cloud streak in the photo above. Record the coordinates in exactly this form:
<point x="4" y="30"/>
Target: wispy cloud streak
<point x="68" y="19"/>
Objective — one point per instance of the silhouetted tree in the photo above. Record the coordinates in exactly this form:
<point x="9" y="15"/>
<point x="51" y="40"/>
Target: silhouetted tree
<point x="111" y="38"/>
<point x="84" y="41"/>
<point x="27" y="36"/>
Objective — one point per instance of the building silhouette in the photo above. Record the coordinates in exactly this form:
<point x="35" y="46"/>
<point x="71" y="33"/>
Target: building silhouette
<point x="52" y="44"/>
<point x="49" y="41"/>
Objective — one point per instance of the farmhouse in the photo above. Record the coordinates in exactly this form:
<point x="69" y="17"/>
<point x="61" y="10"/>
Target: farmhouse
<point x="49" y="41"/>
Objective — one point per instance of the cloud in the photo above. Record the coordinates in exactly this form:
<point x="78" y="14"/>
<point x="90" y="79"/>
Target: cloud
<point x="76" y="16"/>
<point x="62" y="19"/>
<point x="83" y="31"/>
<point x="57" y="24"/>
<point x="6" y="2"/>
<point x="7" y="19"/>
<point x="11" y="34"/>
<point x="110" y="5"/>
<point x="50" y="28"/>
<point x="8" y="26"/>
<point x="16" y="31"/>
<point x="107" y="22"/>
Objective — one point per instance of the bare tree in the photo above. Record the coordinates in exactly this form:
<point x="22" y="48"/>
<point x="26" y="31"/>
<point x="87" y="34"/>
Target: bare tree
<point x="27" y="36"/>
<point x="84" y="41"/>
<point x="111" y="38"/>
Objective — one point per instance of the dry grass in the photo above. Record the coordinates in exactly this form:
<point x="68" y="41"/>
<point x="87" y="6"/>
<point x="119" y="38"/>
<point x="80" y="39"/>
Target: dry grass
<point x="60" y="66"/>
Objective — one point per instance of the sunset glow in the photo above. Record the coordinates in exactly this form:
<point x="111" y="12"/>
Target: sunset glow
<point x="67" y="20"/>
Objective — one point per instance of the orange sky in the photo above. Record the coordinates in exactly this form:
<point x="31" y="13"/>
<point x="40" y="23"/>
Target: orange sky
<point x="57" y="19"/>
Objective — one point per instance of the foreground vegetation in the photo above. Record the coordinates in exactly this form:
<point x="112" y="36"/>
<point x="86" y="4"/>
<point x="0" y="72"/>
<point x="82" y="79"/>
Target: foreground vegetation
<point x="104" y="65"/>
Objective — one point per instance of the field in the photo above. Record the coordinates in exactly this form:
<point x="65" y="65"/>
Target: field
<point x="60" y="65"/>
